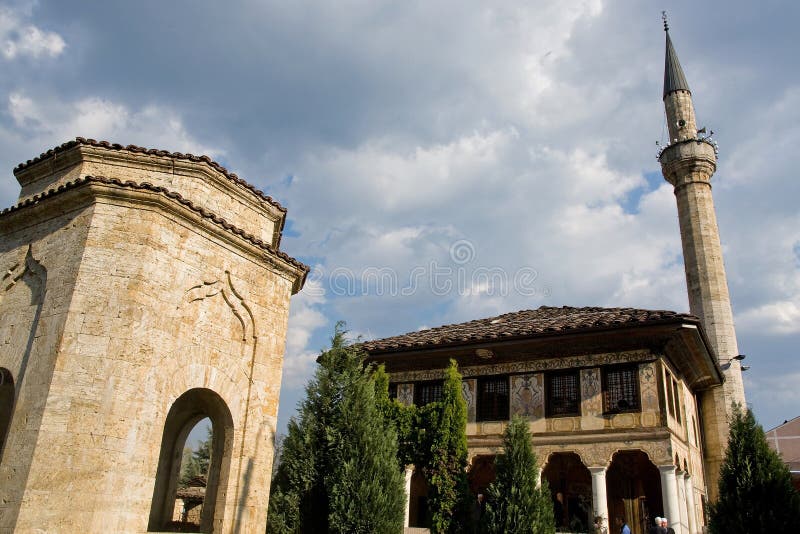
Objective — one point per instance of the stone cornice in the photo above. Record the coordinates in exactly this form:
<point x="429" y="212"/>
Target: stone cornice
<point x="111" y="187"/>
<point x="54" y="154"/>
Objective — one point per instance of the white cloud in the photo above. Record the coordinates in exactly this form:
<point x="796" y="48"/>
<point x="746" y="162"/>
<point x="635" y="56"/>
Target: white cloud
<point x="781" y="317"/>
<point x="48" y="121"/>
<point x="19" y="39"/>
<point x="305" y="317"/>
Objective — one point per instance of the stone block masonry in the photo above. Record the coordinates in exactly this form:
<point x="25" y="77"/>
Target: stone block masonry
<point x="134" y="280"/>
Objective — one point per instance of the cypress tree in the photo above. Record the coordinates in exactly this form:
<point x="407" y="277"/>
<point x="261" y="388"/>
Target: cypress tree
<point x="515" y="504"/>
<point x="755" y="487"/>
<point x="338" y="470"/>
<point x="448" y="496"/>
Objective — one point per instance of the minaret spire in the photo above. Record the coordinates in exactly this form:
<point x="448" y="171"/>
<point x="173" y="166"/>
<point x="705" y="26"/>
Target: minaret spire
<point x="688" y="162"/>
<point x="674" y="79"/>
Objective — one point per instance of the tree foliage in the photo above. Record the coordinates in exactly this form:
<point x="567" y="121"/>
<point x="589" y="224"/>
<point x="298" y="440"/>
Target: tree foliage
<point x="195" y="463"/>
<point x="338" y="470"/>
<point x="445" y="469"/>
<point x="755" y="489"/>
<point x="516" y="504"/>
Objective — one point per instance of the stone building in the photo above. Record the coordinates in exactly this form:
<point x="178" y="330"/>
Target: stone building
<point x="628" y="408"/>
<point x="142" y="291"/>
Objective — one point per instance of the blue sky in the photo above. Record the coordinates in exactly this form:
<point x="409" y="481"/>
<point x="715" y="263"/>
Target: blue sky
<point x="444" y="161"/>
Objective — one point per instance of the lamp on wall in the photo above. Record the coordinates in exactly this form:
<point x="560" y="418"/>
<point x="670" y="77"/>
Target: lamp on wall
<point x="729" y="361"/>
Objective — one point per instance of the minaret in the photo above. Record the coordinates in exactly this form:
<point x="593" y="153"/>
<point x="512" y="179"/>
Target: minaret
<point x="687" y="162"/>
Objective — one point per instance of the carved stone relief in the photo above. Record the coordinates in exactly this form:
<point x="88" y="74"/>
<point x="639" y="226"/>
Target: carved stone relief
<point x="527" y="396"/>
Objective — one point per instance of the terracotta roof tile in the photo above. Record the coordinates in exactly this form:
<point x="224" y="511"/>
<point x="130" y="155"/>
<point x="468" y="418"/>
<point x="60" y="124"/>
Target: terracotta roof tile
<point x="525" y="323"/>
<point x="169" y="194"/>
<point x="152" y="152"/>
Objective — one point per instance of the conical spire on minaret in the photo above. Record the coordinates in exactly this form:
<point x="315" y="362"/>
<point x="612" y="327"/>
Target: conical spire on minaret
<point x="674" y="80"/>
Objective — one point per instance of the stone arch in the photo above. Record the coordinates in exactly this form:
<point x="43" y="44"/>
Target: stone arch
<point x="188" y="409"/>
<point x="481" y="473"/>
<point x="6" y="405"/>
<point x="570" y="484"/>
<point x="633" y="486"/>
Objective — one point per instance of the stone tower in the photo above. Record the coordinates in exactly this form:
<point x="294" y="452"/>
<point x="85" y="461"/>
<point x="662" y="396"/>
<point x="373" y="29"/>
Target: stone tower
<point x="688" y="162"/>
<point x="142" y="291"/>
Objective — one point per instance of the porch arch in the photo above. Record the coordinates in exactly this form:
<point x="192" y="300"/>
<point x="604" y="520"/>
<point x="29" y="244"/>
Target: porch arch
<point x="570" y="484"/>
<point x="634" y="489"/>
<point x="187" y="410"/>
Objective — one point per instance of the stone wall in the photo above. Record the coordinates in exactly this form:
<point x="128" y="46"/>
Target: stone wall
<point x="144" y="300"/>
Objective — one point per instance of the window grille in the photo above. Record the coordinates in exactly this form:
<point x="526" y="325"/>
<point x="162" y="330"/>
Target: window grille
<point x="492" y="399"/>
<point x="563" y="397"/>
<point x="427" y="392"/>
<point x="621" y="390"/>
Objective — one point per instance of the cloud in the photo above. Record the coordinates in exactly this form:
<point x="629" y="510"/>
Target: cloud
<point x="781" y="317"/>
<point x="305" y="317"/>
<point x="18" y="39"/>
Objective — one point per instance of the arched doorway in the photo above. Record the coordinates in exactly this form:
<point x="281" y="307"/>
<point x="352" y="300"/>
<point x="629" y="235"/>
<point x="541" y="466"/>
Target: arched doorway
<point x="481" y="474"/>
<point x="634" y="490"/>
<point x="570" y="484"/>
<point x="418" y="514"/>
<point x="189" y="409"/>
<point x="6" y="404"/>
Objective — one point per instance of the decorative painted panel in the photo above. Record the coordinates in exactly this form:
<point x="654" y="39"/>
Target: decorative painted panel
<point x="405" y="394"/>
<point x="648" y="387"/>
<point x="591" y="400"/>
<point x="468" y="391"/>
<point x="529" y="366"/>
<point x="527" y="396"/>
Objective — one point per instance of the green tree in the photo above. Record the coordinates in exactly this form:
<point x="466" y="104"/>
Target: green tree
<point x="445" y="469"/>
<point x="515" y="503"/>
<point x="195" y="462"/>
<point x="338" y="470"/>
<point x="755" y="488"/>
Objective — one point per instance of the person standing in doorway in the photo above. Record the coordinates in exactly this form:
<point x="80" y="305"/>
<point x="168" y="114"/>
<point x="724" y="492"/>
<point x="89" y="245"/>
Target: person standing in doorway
<point x="623" y="526"/>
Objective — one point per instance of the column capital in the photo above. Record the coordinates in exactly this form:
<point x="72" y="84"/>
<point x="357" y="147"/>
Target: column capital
<point x="665" y="469"/>
<point x="599" y="470"/>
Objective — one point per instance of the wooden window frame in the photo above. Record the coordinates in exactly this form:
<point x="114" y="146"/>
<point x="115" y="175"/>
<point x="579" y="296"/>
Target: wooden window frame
<point x="632" y="387"/>
<point x="494" y="398"/>
<point x="552" y="408"/>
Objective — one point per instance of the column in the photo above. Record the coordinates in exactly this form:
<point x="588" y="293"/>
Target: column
<point x="690" y="507"/>
<point x="409" y="474"/>
<point x="669" y="495"/>
<point x="679" y="522"/>
<point x="599" y="498"/>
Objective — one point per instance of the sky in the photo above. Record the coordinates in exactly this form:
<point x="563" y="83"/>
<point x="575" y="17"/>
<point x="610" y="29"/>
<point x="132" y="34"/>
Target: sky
<point x="447" y="161"/>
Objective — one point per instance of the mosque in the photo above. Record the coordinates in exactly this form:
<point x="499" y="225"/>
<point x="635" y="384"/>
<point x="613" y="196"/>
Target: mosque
<point x="144" y="290"/>
<point x="628" y="408"/>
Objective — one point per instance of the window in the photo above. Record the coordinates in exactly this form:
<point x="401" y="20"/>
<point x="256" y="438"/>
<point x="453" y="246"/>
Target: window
<point x="562" y="394"/>
<point x="492" y="398"/>
<point x="670" y="393"/>
<point x="392" y="391"/>
<point x="621" y="389"/>
<point x="427" y="392"/>
<point x="678" y="406"/>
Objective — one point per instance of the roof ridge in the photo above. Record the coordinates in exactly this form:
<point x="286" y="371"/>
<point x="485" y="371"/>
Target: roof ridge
<point x="213" y="217"/>
<point x="151" y="152"/>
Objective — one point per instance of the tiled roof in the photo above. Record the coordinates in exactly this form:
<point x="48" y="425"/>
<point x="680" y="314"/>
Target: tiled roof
<point x="213" y="217"/>
<point x="151" y="152"/>
<point x="546" y="320"/>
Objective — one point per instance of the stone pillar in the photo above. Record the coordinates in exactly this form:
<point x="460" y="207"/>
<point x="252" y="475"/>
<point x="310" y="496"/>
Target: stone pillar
<point x="409" y="474"/>
<point x="690" y="507"/>
<point x="599" y="498"/>
<point x="680" y="518"/>
<point x="669" y="495"/>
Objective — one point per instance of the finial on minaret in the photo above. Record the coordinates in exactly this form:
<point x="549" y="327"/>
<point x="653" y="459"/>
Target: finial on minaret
<point x="674" y="80"/>
<point x="664" y="18"/>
